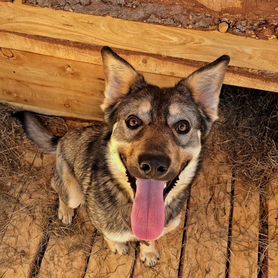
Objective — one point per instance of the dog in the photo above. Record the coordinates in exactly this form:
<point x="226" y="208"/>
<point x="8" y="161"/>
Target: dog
<point x="132" y="172"/>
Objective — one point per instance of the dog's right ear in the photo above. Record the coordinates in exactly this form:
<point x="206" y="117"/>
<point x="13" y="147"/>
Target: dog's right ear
<point x="205" y="85"/>
<point x="119" y="77"/>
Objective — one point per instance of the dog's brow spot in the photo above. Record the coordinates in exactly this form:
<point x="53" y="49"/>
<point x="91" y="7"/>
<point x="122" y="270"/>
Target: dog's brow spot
<point x="145" y="107"/>
<point x="174" y="109"/>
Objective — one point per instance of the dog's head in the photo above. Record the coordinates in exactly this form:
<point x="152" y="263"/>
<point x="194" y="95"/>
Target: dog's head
<point x="157" y="134"/>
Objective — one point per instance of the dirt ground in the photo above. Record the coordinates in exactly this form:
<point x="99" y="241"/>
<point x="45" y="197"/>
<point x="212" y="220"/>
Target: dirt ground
<point x="257" y="19"/>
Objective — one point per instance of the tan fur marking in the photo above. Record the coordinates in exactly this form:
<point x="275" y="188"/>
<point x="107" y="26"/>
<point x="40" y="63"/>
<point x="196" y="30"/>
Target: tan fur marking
<point x="186" y="176"/>
<point x="65" y="213"/>
<point x="75" y="196"/>
<point x="120" y="248"/>
<point x="145" y="107"/>
<point x="116" y="166"/>
<point x="174" y="109"/>
<point x="119" y="237"/>
<point x="149" y="254"/>
<point x="173" y="224"/>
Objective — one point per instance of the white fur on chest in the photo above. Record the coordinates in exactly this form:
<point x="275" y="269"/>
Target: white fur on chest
<point x="129" y="236"/>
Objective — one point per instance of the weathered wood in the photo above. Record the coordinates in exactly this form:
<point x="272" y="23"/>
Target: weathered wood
<point x="245" y="230"/>
<point x="218" y="5"/>
<point x="169" y="247"/>
<point x="104" y="264"/>
<point x="51" y="85"/>
<point x="56" y="86"/>
<point x="128" y="35"/>
<point x="23" y="237"/>
<point x="49" y="100"/>
<point x="146" y="63"/>
<point x="256" y="19"/>
<point x="207" y="228"/>
<point x="63" y="87"/>
<point x="273" y="228"/>
<point x="66" y="255"/>
<point x="20" y="246"/>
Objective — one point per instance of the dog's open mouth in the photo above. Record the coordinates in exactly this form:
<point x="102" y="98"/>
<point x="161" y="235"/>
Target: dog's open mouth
<point x="148" y="209"/>
<point x="166" y="189"/>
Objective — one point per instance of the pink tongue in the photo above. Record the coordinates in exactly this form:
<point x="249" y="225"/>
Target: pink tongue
<point x="148" y="211"/>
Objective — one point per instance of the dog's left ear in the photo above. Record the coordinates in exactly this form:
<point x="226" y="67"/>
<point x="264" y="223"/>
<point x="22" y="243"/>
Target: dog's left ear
<point x="119" y="77"/>
<point x="205" y="85"/>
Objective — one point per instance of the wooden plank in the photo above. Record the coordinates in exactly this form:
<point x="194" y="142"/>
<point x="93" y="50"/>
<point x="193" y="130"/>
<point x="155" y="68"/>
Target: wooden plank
<point x="49" y="100"/>
<point x="49" y="71"/>
<point x="273" y="228"/>
<point x="51" y="85"/>
<point x="146" y="63"/>
<point x="207" y="228"/>
<point x="73" y="88"/>
<point x="169" y="247"/>
<point x="128" y="35"/>
<point x="245" y="230"/>
<point x="218" y="5"/>
<point x="23" y="237"/>
<point x="105" y="264"/>
<point x="66" y="255"/>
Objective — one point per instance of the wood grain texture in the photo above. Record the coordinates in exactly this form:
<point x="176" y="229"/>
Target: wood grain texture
<point x="105" y="264"/>
<point x="273" y="228"/>
<point x="66" y="87"/>
<point x="218" y="5"/>
<point x="49" y="100"/>
<point x="128" y="35"/>
<point x="169" y="247"/>
<point x="245" y="230"/>
<point x="56" y="86"/>
<point x="144" y="62"/>
<point x="207" y="228"/>
<point x="66" y="255"/>
<point x="23" y="237"/>
<point x="51" y="85"/>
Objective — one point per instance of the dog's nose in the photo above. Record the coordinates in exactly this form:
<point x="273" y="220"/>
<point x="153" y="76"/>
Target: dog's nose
<point x="154" y="166"/>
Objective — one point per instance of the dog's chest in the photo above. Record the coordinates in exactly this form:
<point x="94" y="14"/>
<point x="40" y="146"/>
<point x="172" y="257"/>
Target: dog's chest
<point x="129" y="236"/>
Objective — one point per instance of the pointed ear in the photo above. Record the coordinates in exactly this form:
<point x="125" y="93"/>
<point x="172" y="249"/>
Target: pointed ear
<point x="205" y="85"/>
<point x="119" y="77"/>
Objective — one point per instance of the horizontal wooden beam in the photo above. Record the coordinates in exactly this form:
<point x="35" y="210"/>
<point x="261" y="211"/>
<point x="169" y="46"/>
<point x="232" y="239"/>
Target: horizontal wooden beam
<point x="136" y="36"/>
<point x="58" y="70"/>
<point x="150" y="48"/>
<point x="56" y="86"/>
<point x="146" y="63"/>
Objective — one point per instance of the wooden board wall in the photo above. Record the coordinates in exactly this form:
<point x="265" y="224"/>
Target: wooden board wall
<point x="58" y="70"/>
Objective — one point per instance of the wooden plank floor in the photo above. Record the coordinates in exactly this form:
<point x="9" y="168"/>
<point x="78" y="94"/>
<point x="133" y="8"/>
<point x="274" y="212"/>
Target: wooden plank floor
<point x="218" y="236"/>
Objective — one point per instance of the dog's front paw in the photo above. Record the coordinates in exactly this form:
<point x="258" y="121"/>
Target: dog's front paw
<point x="149" y="254"/>
<point x="65" y="214"/>
<point x="120" y="248"/>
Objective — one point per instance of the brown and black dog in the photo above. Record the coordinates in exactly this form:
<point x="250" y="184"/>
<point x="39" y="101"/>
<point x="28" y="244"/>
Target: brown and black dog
<point x="132" y="173"/>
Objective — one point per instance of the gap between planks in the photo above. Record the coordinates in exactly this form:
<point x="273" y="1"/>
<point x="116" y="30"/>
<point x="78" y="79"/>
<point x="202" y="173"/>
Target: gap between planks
<point x="207" y="231"/>
<point x="67" y="255"/>
<point x="245" y="235"/>
<point x="273" y="227"/>
<point x="24" y="235"/>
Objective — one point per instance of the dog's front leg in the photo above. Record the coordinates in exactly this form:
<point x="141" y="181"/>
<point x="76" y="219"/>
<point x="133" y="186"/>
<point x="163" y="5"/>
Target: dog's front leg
<point x="149" y="255"/>
<point x="120" y="248"/>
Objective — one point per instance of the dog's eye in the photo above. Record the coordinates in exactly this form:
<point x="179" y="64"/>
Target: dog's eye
<point x="182" y="127"/>
<point x="133" y="122"/>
